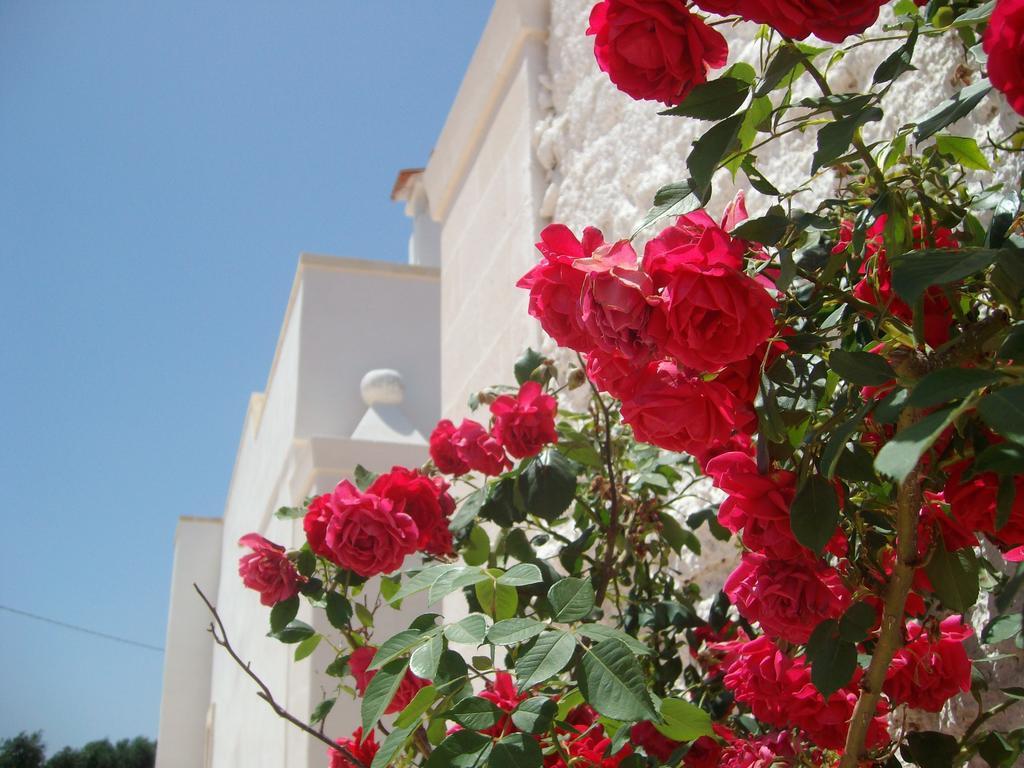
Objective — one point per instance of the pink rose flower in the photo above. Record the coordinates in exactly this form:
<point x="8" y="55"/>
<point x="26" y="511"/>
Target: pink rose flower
<point x="525" y="423"/>
<point x="478" y="448"/>
<point x="443" y="452"/>
<point x="789" y="598"/>
<point x="678" y="411"/>
<point x="555" y="287"/>
<point x="1003" y="42"/>
<point x="267" y="570"/>
<point x="711" y="313"/>
<point x="358" y="666"/>
<point x="424" y="499"/>
<point x="654" y="49"/>
<point x="616" y="301"/>
<point x="360" y="531"/>
<point x="931" y="667"/>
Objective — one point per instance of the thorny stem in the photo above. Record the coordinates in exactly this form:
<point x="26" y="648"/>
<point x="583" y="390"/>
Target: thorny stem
<point x="220" y="637"/>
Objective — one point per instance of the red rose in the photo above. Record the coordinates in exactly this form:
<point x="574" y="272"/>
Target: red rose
<point x="525" y="423"/>
<point x="502" y="693"/>
<point x="827" y="722"/>
<point x="611" y="373"/>
<point x="443" y="453"/>
<point x="831" y="20"/>
<point x="654" y="49"/>
<point x="363" y="750"/>
<point x="788" y="598"/>
<point x="1003" y="42"/>
<point x="424" y="499"/>
<point x="973" y="503"/>
<point x="775" y="750"/>
<point x="927" y="671"/>
<point x="555" y="286"/>
<point x="645" y="735"/>
<point x="711" y="313"/>
<point x="267" y="570"/>
<point x="358" y="666"/>
<point x="682" y="412"/>
<point x="590" y="749"/>
<point x="616" y="301"/>
<point x="478" y="448"/>
<point x="359" y="531"/>
<point x="706" y="752"/>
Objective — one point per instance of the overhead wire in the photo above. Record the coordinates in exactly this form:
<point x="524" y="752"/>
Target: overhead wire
<point x="78" y="628"/>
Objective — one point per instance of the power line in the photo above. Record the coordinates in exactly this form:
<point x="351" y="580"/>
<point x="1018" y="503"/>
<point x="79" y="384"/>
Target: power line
<point x="86" y="630"/>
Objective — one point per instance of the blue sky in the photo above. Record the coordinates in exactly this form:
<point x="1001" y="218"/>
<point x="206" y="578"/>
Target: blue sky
<point x="162" y="164"/>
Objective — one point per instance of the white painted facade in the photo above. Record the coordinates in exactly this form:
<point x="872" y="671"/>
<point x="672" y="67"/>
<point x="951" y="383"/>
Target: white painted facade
<point x="536" y="133"/>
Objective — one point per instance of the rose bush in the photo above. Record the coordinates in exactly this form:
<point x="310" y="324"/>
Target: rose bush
<point x="836" y="389"/>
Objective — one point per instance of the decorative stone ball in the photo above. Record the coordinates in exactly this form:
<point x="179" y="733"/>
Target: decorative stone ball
<point x="382" y="386"/>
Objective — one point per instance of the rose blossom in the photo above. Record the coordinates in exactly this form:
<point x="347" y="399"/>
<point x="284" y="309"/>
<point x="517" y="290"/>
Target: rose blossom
<point x="525" y="423"/>
<point x="358" y="666"/>
<point x="424" y="499"/>
<point x="658" y="746"/>
<point x="612" y="373"/>
<point x="1003" y="42"/>
<point x="590" y="749"/>
<point x="774" y="750"/>
<point x="788" y="598"/>
<point x="926" y="672"/>
<point x="363" y="750"/>
<point x="502" y="693"/>
<point x="711" y="313"/>
<point x="478" y="448"/>
<point x="267" y="570"/>
<point x="616" y="301"/>
<point x="443" y="453"/>
<point x="973" y="503"/>
<point x="706" y="752"/>
<point x="831" y="20"/>
<point x="681" y="412"/>
<point x="359" y="531"/>
<point x="654" y="49"/>
<point x="555" y="286"/>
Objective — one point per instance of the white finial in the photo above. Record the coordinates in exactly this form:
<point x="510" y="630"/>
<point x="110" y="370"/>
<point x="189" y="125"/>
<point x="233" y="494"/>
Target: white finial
<point x="382" y="386"/>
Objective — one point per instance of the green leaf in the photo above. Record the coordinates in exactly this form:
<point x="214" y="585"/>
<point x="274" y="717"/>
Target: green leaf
<point x="1001" y="628"/>
<point x="364" y="478"/>
<point x="767" y="229"/>
<point x="959" y="105"/>
<point x="392" y="745"/>
<point x="858" y="620"/>
<point x="512" y="631"/>
<point x="322" y="710"/>
<point x="954" y="576"/>
<point x="380" y="691"/>
<point x="290" y="513"/>
<point x="307" y="646"/>
<point x="864" y="368"/>
<point x="497" y="600"/>
<point x="939" y="387"/>
<point x="834" y="139"/>
<point x="397" y="645"/>
<point x="671" y="200"/>
<point x="504" y="504"/>
<point x="901" y="454"/>
<point x="454" y="580"/>
<point x="677" y="536"/>
<point x="713" y="100"/>
<point x="477" y="550"/>
<point x="338" y="610"/>
<point x="964" y="150"/>
<point x="709" y="150"/>
<point x="787" y="58"/>
<point x="295" y="632"/>
<point x="468" y="510"/>
<point x="1003" y="458"/>
<point x="1005" y="495"/>
<point x="422" y="580"/>
<point x="282" y="614"/>
<point x="599" y="632"/>
<point x="1003" y="411"/>
<point x="517" y="750"/>
<point x="471" y="629"/>
<point x="475" y="713"/>
<point x="833" y="660"/>
<point x="613" y="683"/>
<point x="571" y="599"/>
<point x="814" y="513"/>
<point x="521" y="575"/>
<point x="546" y="657"/>
<point x="424" y="660"/>
<point x="535" y="714"/>
<point x="527" y="363"/>
<point x="548" y="485"/>
<point x="931" y="749"/>
<point x="462" y="749"/>
<point x="833" y="450"/>
<point x="684" y="721"/>
<point x="414" y="709"/>
<point x="897" y="62"/>
<point x="452" y="674"/>
<point x="916" y="271"/>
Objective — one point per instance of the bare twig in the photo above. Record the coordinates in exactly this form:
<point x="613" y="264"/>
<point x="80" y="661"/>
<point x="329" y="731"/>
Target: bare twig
<point x="220" y="637"/>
